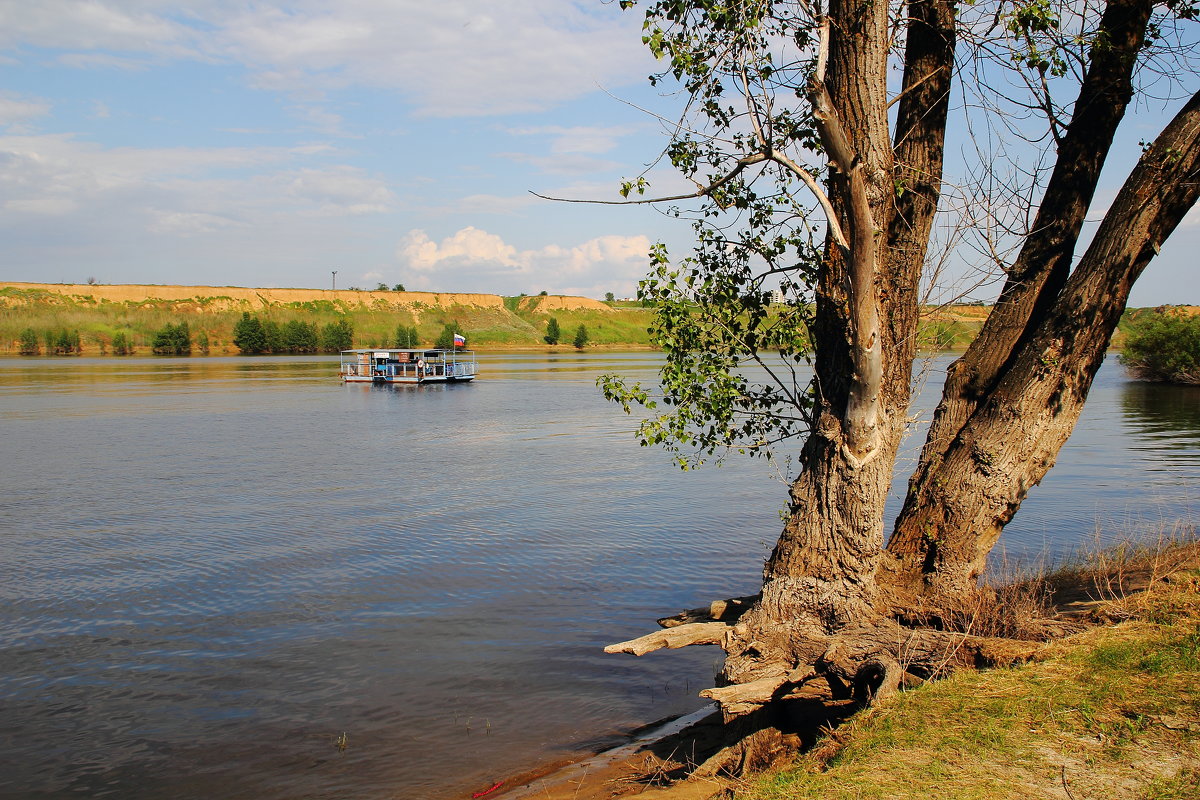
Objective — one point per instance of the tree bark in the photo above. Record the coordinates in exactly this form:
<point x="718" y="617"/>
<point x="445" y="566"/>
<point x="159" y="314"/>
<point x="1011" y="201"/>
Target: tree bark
<point x="1034" y="283"/>
<point x="973" y="488"/>
<point x="820" y="578"/>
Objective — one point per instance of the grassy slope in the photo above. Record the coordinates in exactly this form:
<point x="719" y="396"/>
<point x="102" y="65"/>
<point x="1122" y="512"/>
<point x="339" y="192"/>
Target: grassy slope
<point x="510" y="324"/>
<point x="98" y="320"/>
<point x="1113" y="712"/>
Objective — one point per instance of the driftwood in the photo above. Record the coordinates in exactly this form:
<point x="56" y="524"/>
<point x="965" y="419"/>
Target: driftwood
<point x="716" y="611"/>
<point x="672" y="638"/>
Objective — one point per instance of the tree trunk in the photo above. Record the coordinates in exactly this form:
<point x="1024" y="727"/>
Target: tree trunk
<point x="1034" y="283"/>
<point x="971" y="490"/>
<point x="819" y="582"/>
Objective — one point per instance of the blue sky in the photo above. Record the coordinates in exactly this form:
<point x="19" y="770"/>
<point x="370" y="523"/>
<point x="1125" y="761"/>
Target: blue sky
<point x="224" y="142"/>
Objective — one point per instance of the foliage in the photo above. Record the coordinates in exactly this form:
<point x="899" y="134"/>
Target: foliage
<point x="300" y="337"/>
<point x="445" y="339"/>
<point x="581" y="337"/>
<point x="63" y="342"/>
<point x="399" y="287"/>
<point x="552" y="331"/>
<point x="1164" y="347"/>
<point x="407" y="336"/>
<point x="249" y="336"/>
<point x="172" y="340"/>
<point x="29" y="342"/>
<point x="711" y="328"/>
<point x="122" y="344"/>
<point x="273" y="336"/>
<point x="337" y="336"/>
<point x="201" y="342"/>
<point x="609" y="297"/>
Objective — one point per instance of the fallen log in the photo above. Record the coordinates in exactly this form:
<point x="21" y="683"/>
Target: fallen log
<point x="717" y="611"/>
<point x="672" y="638"/>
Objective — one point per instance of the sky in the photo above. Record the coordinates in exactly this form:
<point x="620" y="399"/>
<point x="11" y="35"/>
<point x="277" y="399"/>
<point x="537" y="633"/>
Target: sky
<point x="272" y="144"/>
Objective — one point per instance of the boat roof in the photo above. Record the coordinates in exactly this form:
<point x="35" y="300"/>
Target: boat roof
<point x="407" y="350"/>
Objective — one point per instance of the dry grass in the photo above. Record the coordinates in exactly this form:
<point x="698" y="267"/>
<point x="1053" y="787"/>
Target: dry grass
<point x="1111" y="712"/>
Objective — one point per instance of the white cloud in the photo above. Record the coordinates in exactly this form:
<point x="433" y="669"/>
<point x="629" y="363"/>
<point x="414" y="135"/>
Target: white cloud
<point x="16" y="110"/>
<point x="90" y="25"/>
<point x="475" y="260"/>
<point x="469" y="247"/>
<point x="452" y="58"/>
<point x="578" y="138"/>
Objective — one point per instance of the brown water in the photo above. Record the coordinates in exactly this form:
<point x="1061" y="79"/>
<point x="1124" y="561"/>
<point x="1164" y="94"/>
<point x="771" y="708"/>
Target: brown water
<point x="215" y="567"/>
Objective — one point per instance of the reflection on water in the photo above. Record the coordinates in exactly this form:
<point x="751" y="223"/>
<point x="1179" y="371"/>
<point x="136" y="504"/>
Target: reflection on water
<point x="1170" y="414"/>
<point x="215" y="566"/>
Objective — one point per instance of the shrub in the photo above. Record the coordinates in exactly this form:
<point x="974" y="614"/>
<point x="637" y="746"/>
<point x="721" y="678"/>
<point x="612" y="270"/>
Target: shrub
<point x="1164" y="348"/>
<point x="29" y="343"/>
<point x="552" y="332"/>
<point x="300" y="337"/>
<point x="445" y="340"/>
<point x="581" y="337"/>
<point x="337" y="336"/>
<point x="202" y="342"/>
<point x="248" y="334"/>
<point x="273" y="335"/>
<point x="63" y="342"/>
<point x="172" y="340"/>
<point x="406" y="336"/>
<point x="122" y="344"/>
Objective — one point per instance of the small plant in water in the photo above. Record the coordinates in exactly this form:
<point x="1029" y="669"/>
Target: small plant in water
<point x="341" y="742"/>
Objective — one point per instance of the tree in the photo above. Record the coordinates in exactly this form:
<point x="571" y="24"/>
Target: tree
<point x="552" y="332"/>
<point x="299" y="337"/>
<point x="63" y="342"/>
<point x="609" y="297"/>
<point x="407" y="336"/>
<point x="581" y="337"/>
<point x="445" y="340"/>
<point x="399" y="287"/>
<point x="28" y="344"/>
<point x="1164" y="348"/>
<point x="337" y="336"/>
<point x="122" y="344"/>
<point x="791" y="134"/>
<point x="172" y="340"/>
<point x="248" y="335"/>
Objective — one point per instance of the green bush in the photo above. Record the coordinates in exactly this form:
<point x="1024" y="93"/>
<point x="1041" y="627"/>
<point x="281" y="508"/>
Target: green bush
<point x="1164" y="347"/>
<point x="63" y="342"/>
<point x="407" y="336"/>
<point x="337" y="336"/>
<point x="581" y="337"/>
<point x="172" y="340"/>
<point x="248" y="334"/>
<point x="122" y="344"/>
<point x="29" y="343"/>
<point x="553" y="333"/>
<point x="300" y="337"/>
<point x="445" y="340"/>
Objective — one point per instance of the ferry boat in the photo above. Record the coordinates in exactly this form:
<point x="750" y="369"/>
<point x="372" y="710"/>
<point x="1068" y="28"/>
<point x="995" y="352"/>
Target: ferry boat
<point x="403" y="365"/>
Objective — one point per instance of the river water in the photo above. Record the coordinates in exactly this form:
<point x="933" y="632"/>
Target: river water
<point x="238" y="578"/>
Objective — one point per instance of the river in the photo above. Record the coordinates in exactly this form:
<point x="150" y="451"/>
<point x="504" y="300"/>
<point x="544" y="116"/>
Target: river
<point x="238" y="578"/>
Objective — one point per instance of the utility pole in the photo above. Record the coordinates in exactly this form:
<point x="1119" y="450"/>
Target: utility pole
<point x="335" y="280"/>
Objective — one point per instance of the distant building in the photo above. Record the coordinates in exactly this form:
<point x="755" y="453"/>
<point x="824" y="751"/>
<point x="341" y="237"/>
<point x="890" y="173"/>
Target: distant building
<point x="776" y="297"/>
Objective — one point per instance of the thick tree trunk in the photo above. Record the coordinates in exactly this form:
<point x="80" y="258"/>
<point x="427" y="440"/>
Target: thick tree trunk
<point x="955" y="515"/>
<point x="819" y="582"/>
<point x="1034" y="284"/>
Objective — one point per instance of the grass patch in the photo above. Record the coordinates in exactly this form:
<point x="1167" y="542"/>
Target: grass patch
<point x="1112" y="712"/>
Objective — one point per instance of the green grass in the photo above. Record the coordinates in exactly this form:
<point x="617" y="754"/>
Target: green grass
<point x="99" y="321"/>
<point x="1112" y="712"/>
